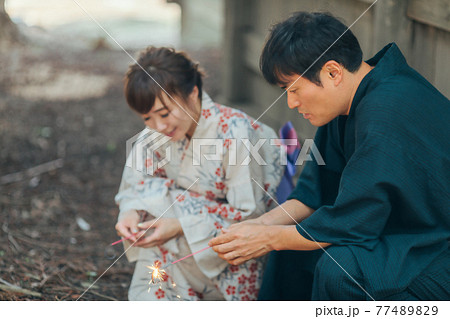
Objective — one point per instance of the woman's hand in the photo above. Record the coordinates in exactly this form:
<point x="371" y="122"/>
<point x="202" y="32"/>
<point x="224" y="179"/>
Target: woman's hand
<point x="164" y="230"/>
<point x="128" y="225"/>
<point x="243" y="241"/>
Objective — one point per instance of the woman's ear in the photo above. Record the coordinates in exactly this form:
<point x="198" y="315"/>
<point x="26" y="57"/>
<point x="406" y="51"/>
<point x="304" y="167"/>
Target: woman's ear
<point x="193" y="96"/>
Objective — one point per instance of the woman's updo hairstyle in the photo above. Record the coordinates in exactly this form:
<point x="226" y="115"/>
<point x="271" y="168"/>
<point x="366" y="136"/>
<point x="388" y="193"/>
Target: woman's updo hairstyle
<point x="165" y="69"/>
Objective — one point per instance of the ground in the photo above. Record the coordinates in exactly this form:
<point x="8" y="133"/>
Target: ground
<point x="63" y="105"/>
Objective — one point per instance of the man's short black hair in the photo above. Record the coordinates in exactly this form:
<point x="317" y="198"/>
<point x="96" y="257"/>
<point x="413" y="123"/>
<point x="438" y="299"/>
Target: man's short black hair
<point x="294" y="44"/>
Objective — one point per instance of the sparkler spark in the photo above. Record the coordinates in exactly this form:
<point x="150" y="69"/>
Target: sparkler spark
<point x="158" y="275"/>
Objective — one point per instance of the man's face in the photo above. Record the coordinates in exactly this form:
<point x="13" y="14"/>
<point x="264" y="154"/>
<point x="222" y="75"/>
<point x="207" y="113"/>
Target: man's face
<point x="318" y="104"/>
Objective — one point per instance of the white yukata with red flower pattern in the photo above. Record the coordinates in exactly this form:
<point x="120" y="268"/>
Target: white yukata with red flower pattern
<point x="226" y="192"/>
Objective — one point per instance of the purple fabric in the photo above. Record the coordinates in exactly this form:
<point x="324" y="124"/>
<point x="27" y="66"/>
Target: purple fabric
<point x="286" y="186"/>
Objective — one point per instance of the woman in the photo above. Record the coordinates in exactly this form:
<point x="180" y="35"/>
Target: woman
<point x="190" y="199"/>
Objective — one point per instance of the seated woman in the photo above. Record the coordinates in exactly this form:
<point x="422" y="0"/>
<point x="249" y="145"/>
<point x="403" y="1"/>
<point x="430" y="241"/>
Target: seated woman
<point x="211" y="180"/>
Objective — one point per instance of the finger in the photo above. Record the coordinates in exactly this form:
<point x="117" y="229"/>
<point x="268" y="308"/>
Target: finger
<point x="238" y="261"/>
<point x="221" y="239"/>
<point x="150" y="241"/>
<point x="246" y="257"/>
<point x="124" y="231"/>
<point x="225" y="248"/>
<point x="147" y="224"/>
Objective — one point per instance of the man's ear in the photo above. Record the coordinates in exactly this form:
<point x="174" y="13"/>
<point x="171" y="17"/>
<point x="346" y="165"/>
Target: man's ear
<point x="333" y="71"/>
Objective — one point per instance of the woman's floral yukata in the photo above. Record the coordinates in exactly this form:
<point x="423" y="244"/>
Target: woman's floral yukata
<point x="223" y="190"/>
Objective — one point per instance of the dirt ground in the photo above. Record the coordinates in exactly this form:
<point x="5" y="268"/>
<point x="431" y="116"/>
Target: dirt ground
<point x="63" y="107"/>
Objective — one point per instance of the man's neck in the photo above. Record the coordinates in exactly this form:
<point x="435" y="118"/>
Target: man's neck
<point x="357" y="78"/>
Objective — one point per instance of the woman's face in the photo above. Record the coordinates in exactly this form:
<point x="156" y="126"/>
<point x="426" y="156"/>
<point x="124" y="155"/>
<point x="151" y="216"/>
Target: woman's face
<point x="168" y="118"/>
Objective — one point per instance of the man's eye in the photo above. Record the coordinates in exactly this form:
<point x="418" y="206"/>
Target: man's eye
<point x="165" y="115"/>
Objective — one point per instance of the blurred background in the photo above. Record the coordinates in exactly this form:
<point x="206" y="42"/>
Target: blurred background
<point x="64" y="120"/>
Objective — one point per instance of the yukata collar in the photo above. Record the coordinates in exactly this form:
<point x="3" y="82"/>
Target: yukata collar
<point x="204" y="125"/>
<point x="388" y="62"/>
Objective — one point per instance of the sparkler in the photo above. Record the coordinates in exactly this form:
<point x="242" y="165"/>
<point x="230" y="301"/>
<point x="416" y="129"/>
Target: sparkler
<point x="159" y="275"/>
<point x="123" y="239"/>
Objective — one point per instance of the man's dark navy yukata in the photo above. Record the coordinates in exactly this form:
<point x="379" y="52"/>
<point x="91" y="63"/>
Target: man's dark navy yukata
<point x="382" y="199"/>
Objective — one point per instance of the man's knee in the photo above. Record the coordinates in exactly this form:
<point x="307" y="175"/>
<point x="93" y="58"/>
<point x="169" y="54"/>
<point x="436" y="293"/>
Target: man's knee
<point x="337" y="276"/>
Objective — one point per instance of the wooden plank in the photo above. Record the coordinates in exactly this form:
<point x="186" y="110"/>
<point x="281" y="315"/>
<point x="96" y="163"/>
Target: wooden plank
<point x="423" y="57"/>
<point x="432" y="12"/>
<point x="392" y="25"/>
<point x="253" y="44"/>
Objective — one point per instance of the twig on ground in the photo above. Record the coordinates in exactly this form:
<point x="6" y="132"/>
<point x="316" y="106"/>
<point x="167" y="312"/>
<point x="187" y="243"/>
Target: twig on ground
<point x="31" y="172"/>
<point x="16" y="289"/>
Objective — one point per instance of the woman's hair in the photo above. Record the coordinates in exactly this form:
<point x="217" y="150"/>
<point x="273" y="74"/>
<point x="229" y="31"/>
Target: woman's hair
<point x="159" y="71"/>
<point x="294" y="45"/>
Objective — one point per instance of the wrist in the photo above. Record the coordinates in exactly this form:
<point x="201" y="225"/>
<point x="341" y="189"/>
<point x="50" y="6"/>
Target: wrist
<point x="275" y="237"/>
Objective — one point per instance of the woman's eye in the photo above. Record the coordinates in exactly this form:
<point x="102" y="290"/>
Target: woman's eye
<point x="165" y="115"/>
<point x="293" y="91"/>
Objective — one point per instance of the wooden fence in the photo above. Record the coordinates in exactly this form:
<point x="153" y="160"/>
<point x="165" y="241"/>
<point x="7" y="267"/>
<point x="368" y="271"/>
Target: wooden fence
<point x="421" y="28"/>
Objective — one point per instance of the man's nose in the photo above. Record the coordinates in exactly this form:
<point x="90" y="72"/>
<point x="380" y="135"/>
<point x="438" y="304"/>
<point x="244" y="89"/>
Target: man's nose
<point x="292" y="101"/>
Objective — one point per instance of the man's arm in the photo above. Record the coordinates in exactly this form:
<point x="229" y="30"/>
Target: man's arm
<point x="290" y="212"/>
<point x="274" y="230"/>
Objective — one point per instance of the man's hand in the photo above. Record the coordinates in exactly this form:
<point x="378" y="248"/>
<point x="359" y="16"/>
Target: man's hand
<point x="243" y="241"/>
<point x="164" y="230"/>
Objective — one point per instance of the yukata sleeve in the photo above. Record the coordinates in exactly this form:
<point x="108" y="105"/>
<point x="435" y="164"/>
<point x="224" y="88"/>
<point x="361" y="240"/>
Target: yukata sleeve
<point x="140" y="191"/>
<point x="318" y="183"/>
<point x="378" y="172"/>
<point x="244" y="199"/>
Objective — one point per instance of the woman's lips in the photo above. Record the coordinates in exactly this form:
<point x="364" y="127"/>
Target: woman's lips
<point x="306" y="115"/>
<point x="171" y="134"/>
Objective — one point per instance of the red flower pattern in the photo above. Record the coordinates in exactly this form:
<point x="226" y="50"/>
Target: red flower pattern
<point x="224" y="128"/>
<point x="191" y="292"/>
<point x="169" y="183"/>
<point x="210" y="195"/>
<point x="218" y="226"/>
<point x="220" y="186"/>
<point x="160" y="293"/>
<point x="194" y="194"/>
<point x="206" y="113"/>
<point x="227" y="143"/>
<point x="148" y="162"/>
<point x="160" y="172"/>
<point x="238" y="216"/>
<point x="234" y="268"/>
<point x="180" y="198"/>
<point x="231" y="290"/>
<point x="164" y="253"/>
<point x="242" y="279"/>
<point x="212" y="210"/>
<point x="218" y="172"/>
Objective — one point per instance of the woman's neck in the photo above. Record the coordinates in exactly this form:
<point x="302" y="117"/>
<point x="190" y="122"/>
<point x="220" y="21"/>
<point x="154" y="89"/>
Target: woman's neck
<point x="195" y="117"/>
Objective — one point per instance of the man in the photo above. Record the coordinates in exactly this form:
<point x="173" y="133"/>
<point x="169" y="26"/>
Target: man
<point x="380" y="206"/>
